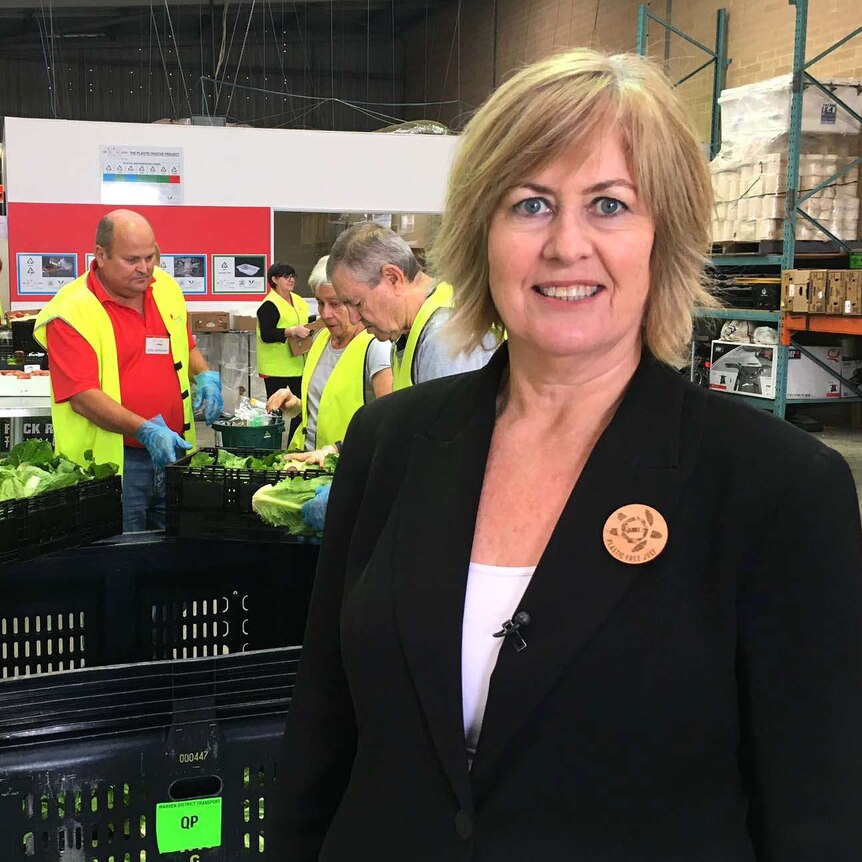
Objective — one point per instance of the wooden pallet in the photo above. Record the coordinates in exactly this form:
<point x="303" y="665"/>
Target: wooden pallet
<point x="774" y="246"/>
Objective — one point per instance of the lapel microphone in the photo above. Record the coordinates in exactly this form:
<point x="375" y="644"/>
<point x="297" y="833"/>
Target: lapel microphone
<point x="512" y="629"/>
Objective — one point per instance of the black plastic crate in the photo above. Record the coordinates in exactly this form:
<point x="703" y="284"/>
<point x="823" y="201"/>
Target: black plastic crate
<point x="23" y="339"/>
<point x="148" y="598"/>
<point x="60" y="519"/>
<point x="215" y="502"/>
<point x="87" y="756"/>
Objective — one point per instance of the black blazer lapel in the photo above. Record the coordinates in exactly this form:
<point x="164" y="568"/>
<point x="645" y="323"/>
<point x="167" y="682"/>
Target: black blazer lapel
<point x="433" y="540"/>
<point x="577" y="582"/>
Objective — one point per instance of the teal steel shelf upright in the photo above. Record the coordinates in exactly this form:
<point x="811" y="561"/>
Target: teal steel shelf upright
<point x="716" y="58"/>
<point x="795" y="200"/>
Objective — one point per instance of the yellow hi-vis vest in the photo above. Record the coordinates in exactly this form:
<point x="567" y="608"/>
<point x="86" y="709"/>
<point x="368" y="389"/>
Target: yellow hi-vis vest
<point x="343" y="394"/>
<point x="78" y="306"/>
<point x="402" y="371"/>
<point x="276" y="360"/>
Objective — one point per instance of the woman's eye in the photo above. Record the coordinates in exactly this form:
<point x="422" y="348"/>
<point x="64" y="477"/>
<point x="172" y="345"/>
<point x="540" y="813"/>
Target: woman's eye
<point x="609" y="206"/>
<point x="532" y="206"/>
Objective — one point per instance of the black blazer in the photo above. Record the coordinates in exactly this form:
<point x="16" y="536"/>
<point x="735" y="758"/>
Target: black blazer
<point x="703" y="707"/>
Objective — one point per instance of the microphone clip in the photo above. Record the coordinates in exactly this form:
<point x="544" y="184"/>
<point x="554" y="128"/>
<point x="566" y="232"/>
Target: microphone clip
<point x="512" y="629"/>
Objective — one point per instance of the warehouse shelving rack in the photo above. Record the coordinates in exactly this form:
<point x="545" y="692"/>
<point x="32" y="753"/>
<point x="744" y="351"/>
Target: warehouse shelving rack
<point x="716" y="58"/>
<point x="791" y="323"/>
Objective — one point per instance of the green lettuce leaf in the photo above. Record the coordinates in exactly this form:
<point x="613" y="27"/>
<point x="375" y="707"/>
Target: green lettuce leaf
<point x="38" y="452"/>
<point x="280" y="505"/>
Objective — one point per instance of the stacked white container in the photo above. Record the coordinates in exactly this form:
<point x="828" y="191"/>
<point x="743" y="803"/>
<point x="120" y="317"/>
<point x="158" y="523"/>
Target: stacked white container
<point x="750" y="171"/>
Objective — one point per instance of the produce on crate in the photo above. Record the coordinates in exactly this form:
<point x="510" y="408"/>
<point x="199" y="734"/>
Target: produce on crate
<point x="280" y="461"/>
<point x="32" y="468"/>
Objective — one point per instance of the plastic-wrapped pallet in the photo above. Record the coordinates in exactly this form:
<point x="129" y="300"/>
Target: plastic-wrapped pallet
<point x="750" y="170"/>
<point x="235" y="367"/>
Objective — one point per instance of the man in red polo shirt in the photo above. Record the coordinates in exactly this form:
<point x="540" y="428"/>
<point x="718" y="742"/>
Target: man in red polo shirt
<point x="142" y="416"/>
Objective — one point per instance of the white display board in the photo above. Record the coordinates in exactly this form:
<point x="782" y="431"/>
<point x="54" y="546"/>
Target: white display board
<point x="240" y="273"/>
<point x="188" y="270"/>
<point x="141" y="175"/>
<point x="42" y="274"/>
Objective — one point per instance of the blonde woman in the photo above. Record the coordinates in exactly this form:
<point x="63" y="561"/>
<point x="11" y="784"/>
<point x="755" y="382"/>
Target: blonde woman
<point x="554" y="618"/>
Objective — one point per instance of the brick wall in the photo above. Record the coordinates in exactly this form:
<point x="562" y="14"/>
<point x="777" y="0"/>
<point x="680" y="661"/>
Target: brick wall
<point x="760" y="44"/>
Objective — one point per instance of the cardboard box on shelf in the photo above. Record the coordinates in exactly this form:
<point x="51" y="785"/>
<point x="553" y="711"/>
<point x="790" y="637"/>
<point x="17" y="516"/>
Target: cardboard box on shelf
<point x="795" y="289"/>
<point x="835" y="292"/>
<point x="817" y="296"/>
<point x="209" y="321"/>
<point x="853" y="292"/>
<point x="806" y="379"/>
<point x="243" y="322"/>
<point x="299" y="346"/>
<point x="746" y="369"/>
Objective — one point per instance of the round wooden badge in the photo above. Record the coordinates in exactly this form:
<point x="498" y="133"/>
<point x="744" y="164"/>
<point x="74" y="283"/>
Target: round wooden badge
<point x="635" y="534"/>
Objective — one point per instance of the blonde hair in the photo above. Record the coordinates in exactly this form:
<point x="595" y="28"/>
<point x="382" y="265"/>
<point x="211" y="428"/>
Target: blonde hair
<point x="566" y="101"/>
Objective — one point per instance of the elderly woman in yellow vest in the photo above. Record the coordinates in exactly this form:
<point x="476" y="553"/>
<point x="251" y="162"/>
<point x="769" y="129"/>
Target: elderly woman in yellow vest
<point x="345" y="368"/>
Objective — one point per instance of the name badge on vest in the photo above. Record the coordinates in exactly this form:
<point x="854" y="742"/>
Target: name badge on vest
<point x="158" y="346"/>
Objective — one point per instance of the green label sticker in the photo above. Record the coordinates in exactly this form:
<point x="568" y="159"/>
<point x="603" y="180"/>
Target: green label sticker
<point x="191" y="825"/>
<point x="856" y="260"/>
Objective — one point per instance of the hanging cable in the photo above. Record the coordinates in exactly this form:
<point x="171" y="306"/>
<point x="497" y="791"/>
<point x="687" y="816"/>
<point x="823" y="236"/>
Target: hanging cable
<point x="241" y="53"/>
<point x="229" y="49"/>
<point x="451" y="52"/>
<point x="458" y="88"/>
<point x="179" y="59"/>
<point x="307" y="66"/>
<point x="52" y="44"/>
<point x="324" y="98"/>
<point x="223" y="39"/>
<point x="164" y="64"/>
<point x="557" y="24"/>
<point x="332" y="63"/>
<point x="596" y="22"/>
<point x="526" y="41"/>
<point x="42" y="39"/>
<point x="150" y="72"/>
<point x="279" y="53"/>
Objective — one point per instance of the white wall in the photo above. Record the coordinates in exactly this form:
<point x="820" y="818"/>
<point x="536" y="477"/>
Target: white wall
<point x="57" y="161"/>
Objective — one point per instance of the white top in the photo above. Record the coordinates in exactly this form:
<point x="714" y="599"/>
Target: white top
<point x="493" y="595"/>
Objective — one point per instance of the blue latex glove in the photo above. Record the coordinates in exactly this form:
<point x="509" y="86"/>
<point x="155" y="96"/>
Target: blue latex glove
<point x="165" y="446"/>
<point x="314" y="511"/>
<point x="208" y="395"/>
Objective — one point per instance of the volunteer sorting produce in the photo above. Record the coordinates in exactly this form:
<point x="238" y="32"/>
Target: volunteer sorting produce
<point x="281" y="316"/>
<point x="376" y="275"/>
<point x="345" y="368"/>
<point x="121" y="351"/>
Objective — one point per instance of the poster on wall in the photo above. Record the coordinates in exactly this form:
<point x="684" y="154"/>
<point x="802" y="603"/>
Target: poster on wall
<point x="44" y="274"/>
<point x="244" y="273"/>
<point x="141" y="175"/>
<point x="188" y="270"/>
<point x="90" y="259"/>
